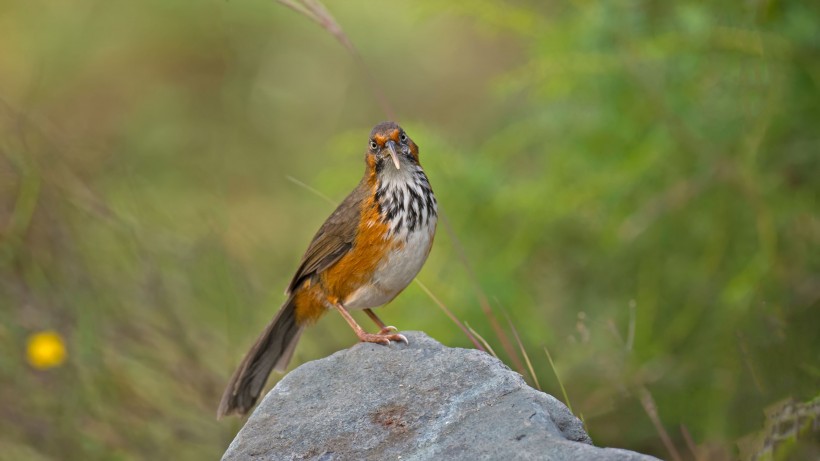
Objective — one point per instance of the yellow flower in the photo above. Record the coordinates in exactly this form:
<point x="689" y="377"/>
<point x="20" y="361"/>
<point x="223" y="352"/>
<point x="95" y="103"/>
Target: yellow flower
<point x="46" y="349"/>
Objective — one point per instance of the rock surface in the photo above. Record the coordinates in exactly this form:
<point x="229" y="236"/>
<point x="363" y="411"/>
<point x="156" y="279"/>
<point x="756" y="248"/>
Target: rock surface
<point x="418" y="402"/>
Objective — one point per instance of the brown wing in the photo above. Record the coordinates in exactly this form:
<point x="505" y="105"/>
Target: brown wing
<point x="334" y="238"/>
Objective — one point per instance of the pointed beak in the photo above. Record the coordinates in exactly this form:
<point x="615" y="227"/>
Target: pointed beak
<point x="391" y="145"/>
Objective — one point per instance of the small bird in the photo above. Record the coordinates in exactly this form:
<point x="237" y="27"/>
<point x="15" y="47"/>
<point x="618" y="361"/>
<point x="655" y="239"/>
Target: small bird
<point x="368" y="250"/>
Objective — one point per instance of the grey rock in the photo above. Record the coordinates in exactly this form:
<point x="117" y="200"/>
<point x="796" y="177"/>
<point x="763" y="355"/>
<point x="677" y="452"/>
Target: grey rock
<point x="419" y="401"/>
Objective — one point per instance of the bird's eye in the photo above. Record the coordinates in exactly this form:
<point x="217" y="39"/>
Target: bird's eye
<point x="403" y="137"/>
<point x="373" y="145"/>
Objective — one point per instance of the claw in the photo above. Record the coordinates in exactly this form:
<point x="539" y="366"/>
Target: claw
<point x="383" y="338"/>
<point x="388" y="329"/>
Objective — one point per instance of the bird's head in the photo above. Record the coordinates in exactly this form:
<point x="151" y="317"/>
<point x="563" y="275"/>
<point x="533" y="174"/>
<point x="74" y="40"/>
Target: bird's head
<point x="390" y="147"/>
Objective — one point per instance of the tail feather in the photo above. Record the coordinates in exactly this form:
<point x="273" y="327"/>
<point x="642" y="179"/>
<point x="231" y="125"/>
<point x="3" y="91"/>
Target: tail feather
<point x="272" y="350"/>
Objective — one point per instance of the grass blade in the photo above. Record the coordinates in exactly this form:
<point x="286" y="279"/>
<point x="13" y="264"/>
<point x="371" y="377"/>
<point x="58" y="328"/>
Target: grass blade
<point x="481" y="338"/>
<point x="523" y="352"/>
<point x="560" y="383"/>
<point x="450" y="315"/>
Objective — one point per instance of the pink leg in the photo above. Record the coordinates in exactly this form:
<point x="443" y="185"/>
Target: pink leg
<point x="384" y="328"/>
<point x="381" y="338"/>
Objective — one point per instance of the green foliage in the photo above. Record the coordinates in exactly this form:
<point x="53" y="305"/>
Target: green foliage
<point x="633" y="182"/>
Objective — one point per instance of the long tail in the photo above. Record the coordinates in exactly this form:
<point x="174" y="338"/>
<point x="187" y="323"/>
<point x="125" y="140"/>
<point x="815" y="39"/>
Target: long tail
<point x="272" y="350"/>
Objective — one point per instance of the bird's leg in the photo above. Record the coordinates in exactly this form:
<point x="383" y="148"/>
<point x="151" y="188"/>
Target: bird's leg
<point x="364" y="336"/>
<point x="384" y="328"/>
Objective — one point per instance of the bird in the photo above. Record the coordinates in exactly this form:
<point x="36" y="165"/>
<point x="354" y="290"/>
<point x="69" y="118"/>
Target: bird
<point x="366" y="253"/>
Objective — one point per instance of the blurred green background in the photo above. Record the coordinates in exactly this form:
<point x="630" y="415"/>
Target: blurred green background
<point x="634" y="183"/>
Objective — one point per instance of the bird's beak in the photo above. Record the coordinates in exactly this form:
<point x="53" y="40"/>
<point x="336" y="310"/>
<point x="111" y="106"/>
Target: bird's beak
<point x="391" y="145"/>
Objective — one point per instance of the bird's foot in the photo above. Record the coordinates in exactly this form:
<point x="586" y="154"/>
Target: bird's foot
<point x="383" y="337"/>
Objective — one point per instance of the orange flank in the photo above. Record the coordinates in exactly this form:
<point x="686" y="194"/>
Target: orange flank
<point x="350" y="272"/>
<point x="355" y="268"/>
<point x="309" y="303"/>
